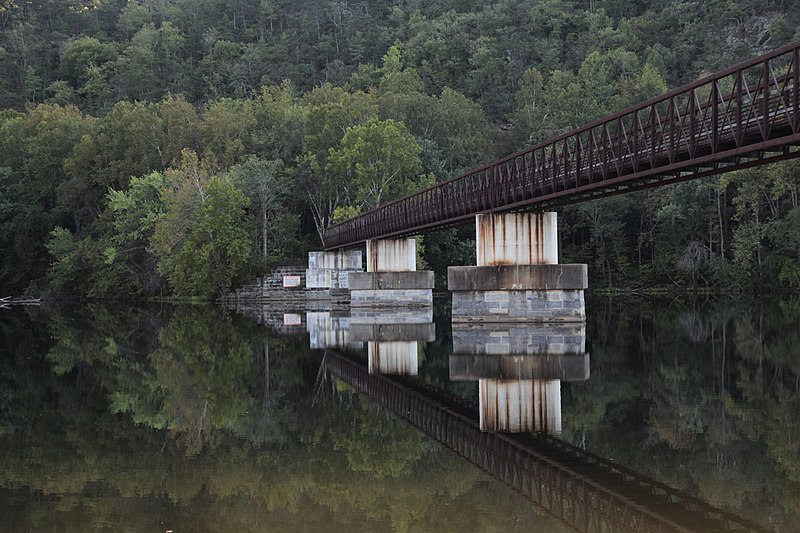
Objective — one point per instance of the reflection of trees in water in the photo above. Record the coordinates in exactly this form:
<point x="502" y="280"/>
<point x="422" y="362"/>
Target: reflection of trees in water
<point x="203" y="369"/>
<point x="675" y="414"/>
<point x="706" y="401"/>
<point x="209" y="374"/>
<point x="768" y="382"/>
<point x="372" y="439"/>
<point x="171" y="415"/>
<point x="696" y="329"/>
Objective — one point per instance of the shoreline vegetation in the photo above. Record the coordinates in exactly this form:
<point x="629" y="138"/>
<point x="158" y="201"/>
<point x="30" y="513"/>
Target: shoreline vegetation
<point x="181" y="149"/>
<point x="653" y="291"/>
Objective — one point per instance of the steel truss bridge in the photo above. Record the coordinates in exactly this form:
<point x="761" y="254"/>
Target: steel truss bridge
<point x="743" y="116"/>
<point x="587" y="492"/>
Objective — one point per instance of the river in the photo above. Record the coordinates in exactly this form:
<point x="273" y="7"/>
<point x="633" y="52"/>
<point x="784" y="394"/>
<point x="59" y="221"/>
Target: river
<point x="194" y="418"/>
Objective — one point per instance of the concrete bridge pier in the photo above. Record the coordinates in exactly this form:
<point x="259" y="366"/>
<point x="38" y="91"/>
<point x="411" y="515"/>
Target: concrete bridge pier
<point x="391" y="279"/>
<point x="518" y="278"/>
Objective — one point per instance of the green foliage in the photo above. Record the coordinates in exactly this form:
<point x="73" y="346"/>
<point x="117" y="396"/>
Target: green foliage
<point x="379" y="160"/>
<point x="202" y="255"/>
<point x="137" y="209"/>
<point x="128" y="265"/>
<point x="61" y="246"/>
<point x="268" y="187"/>
<point x="152" y="63"/>
<point x="33" y="147"/>
<point x="346" y="212"/>
<point x="361" y="105"/>
<point x="80" y="56"/>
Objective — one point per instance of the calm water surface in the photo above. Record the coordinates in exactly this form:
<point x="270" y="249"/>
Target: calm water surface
<point x="191" y="418"/>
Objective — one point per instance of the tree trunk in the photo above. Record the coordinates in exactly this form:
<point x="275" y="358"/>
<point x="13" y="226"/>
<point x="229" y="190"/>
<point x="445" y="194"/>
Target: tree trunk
<point x="721" y="227"/>
<point x="266" y="373"/>
<point x="264" y="228"/>
<point x="758" y="244"/>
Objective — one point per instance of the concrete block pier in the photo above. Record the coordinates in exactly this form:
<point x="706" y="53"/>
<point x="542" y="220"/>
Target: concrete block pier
<point x="517" y="278"/>
<point x="329" y="270"/>
<point x="351" y="329"/>
<point x="391" y="279"/>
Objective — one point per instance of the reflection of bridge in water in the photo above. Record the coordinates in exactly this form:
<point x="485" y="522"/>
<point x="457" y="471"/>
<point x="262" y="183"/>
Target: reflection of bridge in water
<point x="587" y="492"/>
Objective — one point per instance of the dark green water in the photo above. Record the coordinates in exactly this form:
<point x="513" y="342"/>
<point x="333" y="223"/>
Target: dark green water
<point x="190" y="418"/>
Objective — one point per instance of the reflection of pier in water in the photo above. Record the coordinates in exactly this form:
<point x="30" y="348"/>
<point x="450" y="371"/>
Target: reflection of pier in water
<point x="392" y="336"/>
<point x="587" y="492"/>
<point x="519" y="369"/>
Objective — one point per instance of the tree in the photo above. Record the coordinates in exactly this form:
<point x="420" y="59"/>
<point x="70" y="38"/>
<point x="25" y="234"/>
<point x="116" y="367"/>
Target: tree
<point x="182" y="127"/>
<point x="216" y="248"/>
<point x="33" y="147"/>
<point x="129" y="141"/>
<point x="134" y="213"/>
<point x="226" y="131"/>
<point x="63" y="271"/>
<point x="152" y="63"/>
<point x="531" y="111"/>
<point x="279" y="132"/>
<point x="381" y="160"/>
<point x="460" y="130"/>
<point x="268" y="187"/>
<point x="200" y="240"/>
<point x="80" y="55"/>
<point x="328" y="113"/>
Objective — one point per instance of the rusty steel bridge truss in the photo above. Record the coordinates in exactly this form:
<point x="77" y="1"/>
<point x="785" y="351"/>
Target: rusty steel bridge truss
<point x="743" y="116"/>
<point x="587" y="492"/>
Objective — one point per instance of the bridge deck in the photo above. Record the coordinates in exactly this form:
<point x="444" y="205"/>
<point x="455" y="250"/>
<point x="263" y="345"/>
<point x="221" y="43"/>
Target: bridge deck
<point x="742" y="116"/>
<point x="587" y="492"/>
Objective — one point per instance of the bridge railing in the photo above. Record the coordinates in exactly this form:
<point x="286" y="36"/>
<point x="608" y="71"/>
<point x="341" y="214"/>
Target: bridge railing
<point x="716" y="124"/>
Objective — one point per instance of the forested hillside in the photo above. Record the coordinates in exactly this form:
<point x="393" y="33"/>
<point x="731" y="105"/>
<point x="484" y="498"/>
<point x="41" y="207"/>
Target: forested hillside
<point x="181" y="147"/>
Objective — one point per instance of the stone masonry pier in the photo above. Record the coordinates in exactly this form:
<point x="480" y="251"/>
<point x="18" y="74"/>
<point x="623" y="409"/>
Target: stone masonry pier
<point x="391" y="279"/>
<point x="517" y="278"/>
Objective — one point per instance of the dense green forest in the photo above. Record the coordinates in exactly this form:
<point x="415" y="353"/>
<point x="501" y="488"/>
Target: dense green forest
<point x="181" y="147"/>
